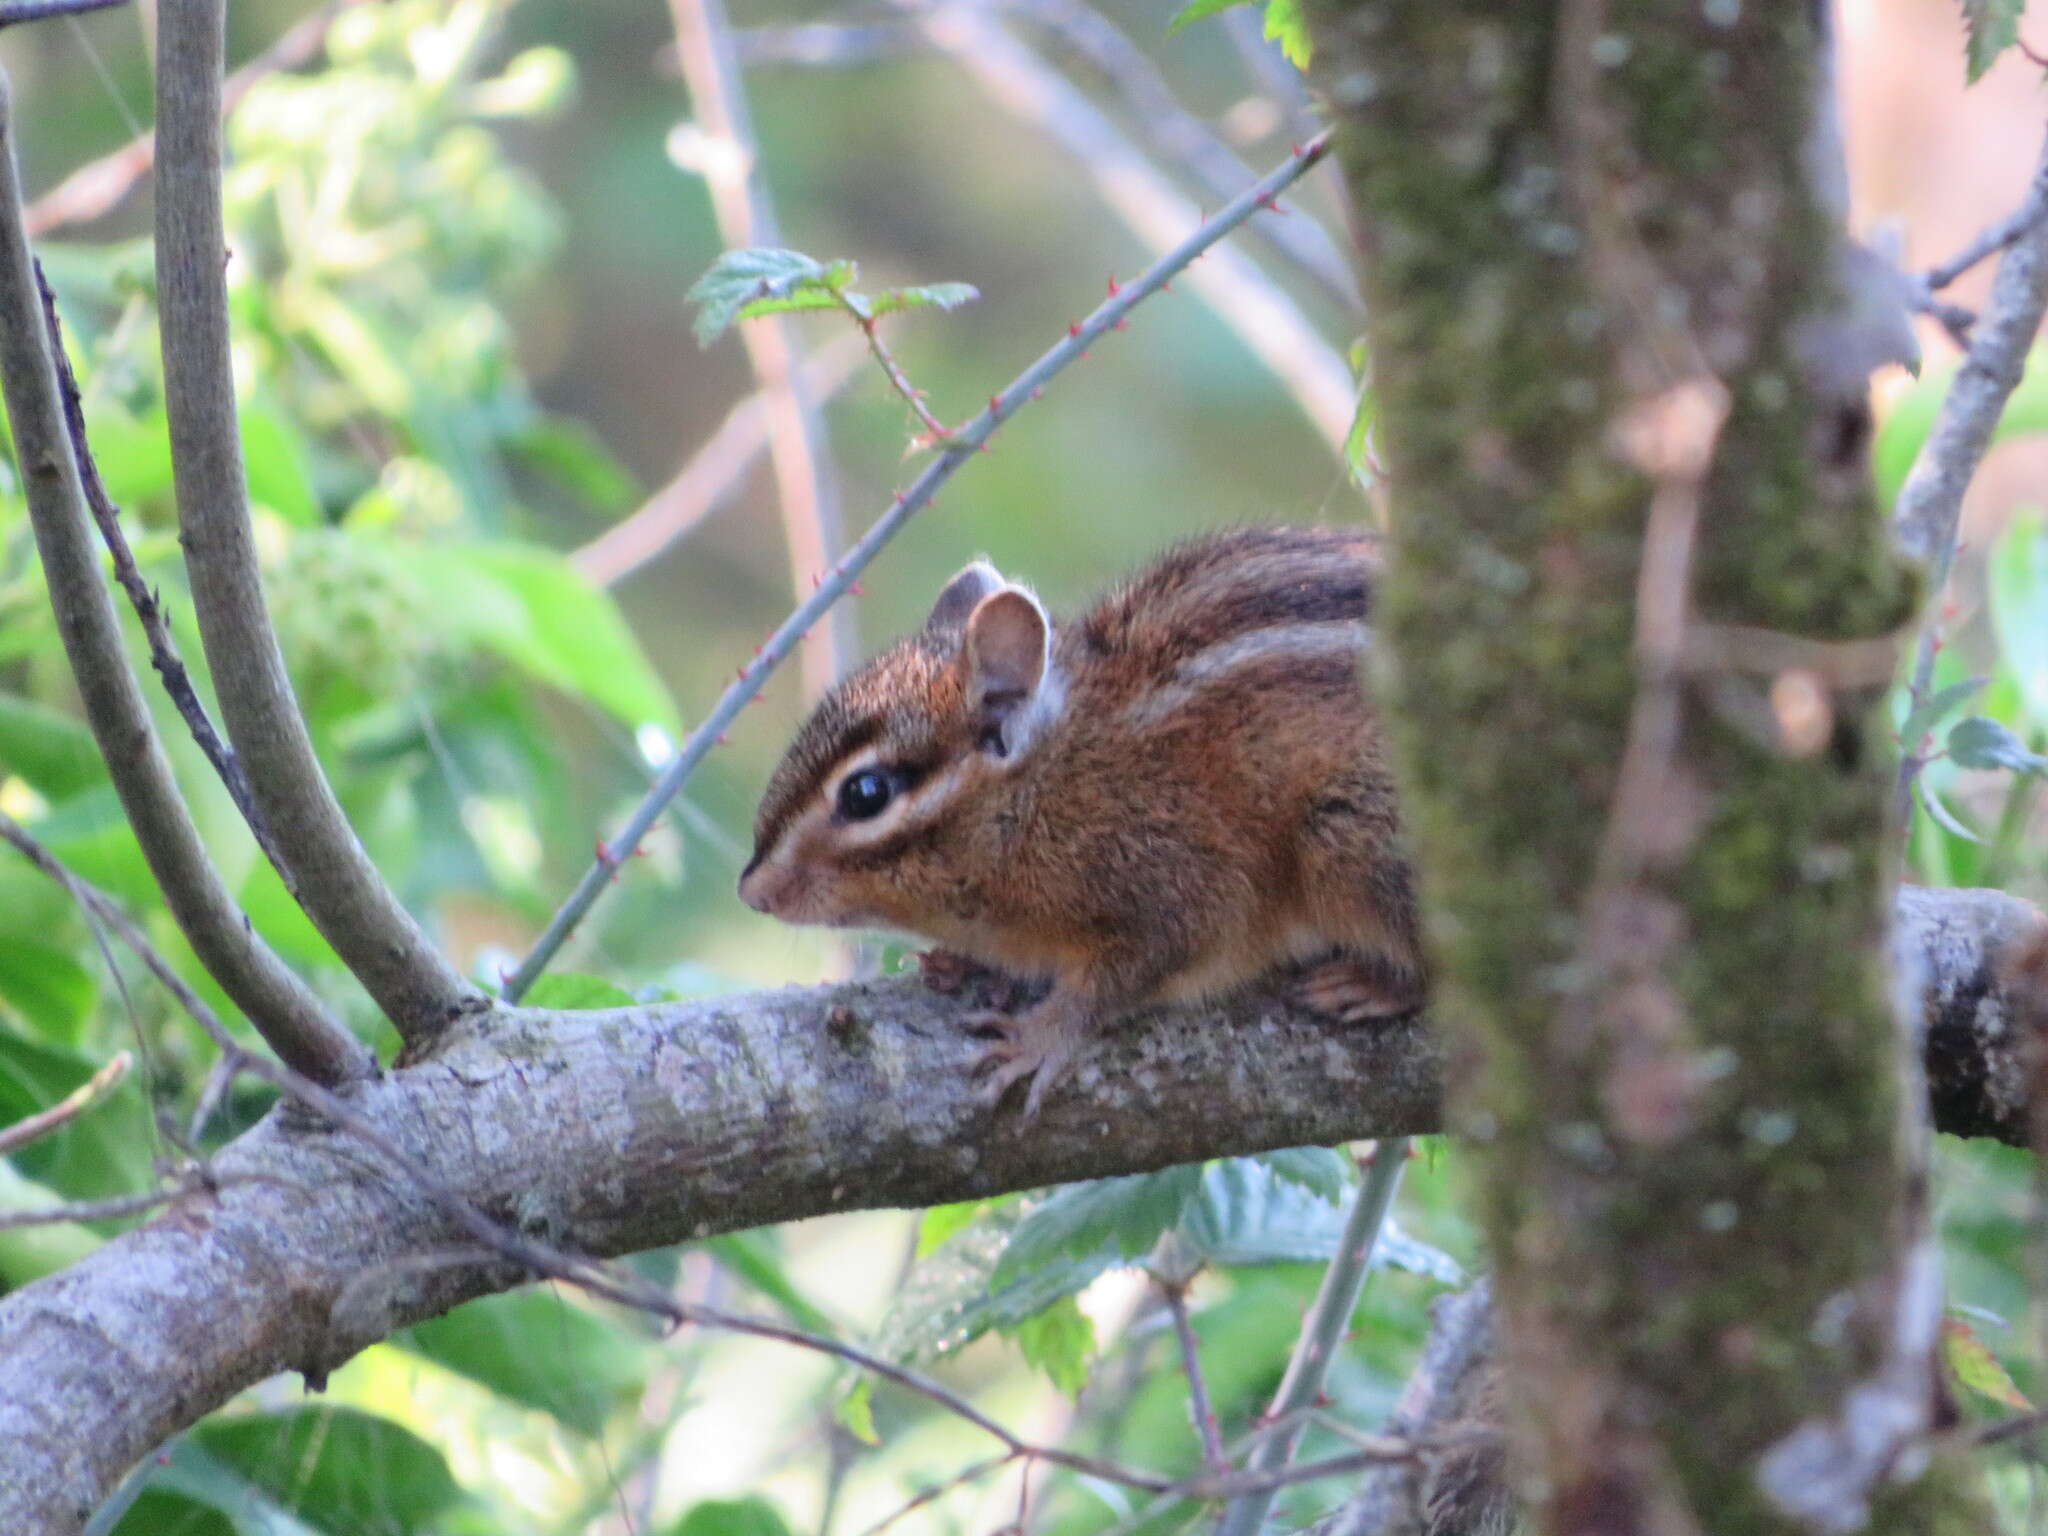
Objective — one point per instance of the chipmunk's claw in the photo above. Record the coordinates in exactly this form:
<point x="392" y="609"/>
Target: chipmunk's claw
<point x="1351" y="990"/>
<point x="1020" y="1048"/>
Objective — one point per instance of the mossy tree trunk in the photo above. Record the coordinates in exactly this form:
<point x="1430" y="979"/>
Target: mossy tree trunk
<point x="1636" y="632"/>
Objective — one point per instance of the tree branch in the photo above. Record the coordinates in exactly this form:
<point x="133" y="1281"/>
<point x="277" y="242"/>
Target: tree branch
<point x="336" y="882"/>
<point x="281" y="1007"/>
<point x="682" y="1120"/>
<point x="14" y="11"/>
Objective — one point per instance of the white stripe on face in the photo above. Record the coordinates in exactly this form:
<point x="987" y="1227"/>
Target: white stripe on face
<point x="1326" y="638"/>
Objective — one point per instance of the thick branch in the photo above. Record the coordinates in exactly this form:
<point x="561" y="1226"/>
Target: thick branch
<point x="687" y="1119"/>
<point x="283" y="1010"/>
<point x="339" y="887"/>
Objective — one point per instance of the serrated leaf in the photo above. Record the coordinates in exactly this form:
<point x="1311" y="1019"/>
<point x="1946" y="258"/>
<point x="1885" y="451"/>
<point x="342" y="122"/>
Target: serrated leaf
<point x="571" y="990"/>
<point x="1196" y="10"/>
<point x="1395" y="1249"/>
<point x="1120" y="1218"/>
<point x="924" y="296"/>
<point x="1322" y="1171"/>
<point x="1934" y="709"/>
<point x="1981" y="742"/>
<point x="751" y="1516"/>
<point x="1059" y="1341"/>
<point x="1287" y="26"/>
<point x="1970" y="1358"/>
<point x="1994" y="26"/>
<point x="739" y="277"/>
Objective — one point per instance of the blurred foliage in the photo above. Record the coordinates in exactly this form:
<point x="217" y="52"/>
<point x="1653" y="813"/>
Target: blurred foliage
<point x="457" y="246"/>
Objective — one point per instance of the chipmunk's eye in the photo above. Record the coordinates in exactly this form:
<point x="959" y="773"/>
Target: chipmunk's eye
<point x="865" y="795"/>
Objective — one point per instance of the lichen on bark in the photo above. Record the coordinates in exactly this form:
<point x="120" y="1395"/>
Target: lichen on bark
<point x="1699" y="1174"/>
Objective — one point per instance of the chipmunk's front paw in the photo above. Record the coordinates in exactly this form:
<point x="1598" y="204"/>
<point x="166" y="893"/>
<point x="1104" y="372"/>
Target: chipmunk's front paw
<point x="1021" y="1047"/>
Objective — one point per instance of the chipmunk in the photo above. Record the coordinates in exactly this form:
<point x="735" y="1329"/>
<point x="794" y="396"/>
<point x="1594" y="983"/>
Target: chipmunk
<point x="1157" y="801"/>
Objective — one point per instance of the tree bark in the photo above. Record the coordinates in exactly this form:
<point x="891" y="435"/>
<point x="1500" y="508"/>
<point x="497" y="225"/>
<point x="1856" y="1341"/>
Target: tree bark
<point x="1616" y="401"/>
<point x="688" y="1119"/>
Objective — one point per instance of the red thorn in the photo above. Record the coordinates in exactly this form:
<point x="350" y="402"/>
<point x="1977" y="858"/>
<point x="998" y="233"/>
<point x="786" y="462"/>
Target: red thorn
<point x="723" y="738"/>
<point x="1074" y="329"/>
<point x="1123" y="322"/>
<point x="995" y="405"/>
<point x="1295" y="150"/>
<point x="1270" y="203"/>
<point x="899" y="498"/>
<point x="1113" y="288"/>
<point x="984" y="448"/>
<point x="856" y="589"/>
<point x="740" y="673"/>
<point x="1038" y="394"/>
<point x="815" y="578"/>
<point x="1167" y="286"/>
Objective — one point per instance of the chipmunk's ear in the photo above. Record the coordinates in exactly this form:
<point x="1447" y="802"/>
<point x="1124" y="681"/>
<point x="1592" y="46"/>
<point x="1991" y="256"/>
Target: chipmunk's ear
<point x="965" y="590"/>
<point x="1010" y="681"/>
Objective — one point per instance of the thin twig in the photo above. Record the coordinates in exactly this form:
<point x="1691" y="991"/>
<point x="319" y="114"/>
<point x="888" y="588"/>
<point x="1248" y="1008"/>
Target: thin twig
<point x="937" y="431"/>
<point x="15" y="11"/>
<point x="163" y="650"/>
<point x="813" y="530"/>
<point x="277" y="1002"/>
<point x="1199" y="1404"/>
<point x="2032" y="210"/>
<point x="339" y="887"/>
<point x="713" y="472"/>
<point x="1328" y="1318"/>
<point x="962" y="446"/>
<point x="97" y="187"/>
<point x="68" y="1108"/>
<point x="1930" y="506"/>
<point x="1263" y="316"/>
<point x="936" y="1491"/>
<point x="111" y="1209"/>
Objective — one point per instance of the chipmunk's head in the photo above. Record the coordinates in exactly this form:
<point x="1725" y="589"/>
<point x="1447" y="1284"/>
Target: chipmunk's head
<point x="867" y="818"/>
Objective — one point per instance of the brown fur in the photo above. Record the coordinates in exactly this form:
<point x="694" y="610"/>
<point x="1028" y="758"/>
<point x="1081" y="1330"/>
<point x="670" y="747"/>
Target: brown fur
<point x="1132" y="858"/>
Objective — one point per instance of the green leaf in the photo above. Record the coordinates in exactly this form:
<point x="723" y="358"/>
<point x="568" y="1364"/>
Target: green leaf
<point x="855" y="1411"/>
<point x="540" y="1350"/>
<point x="753" y="1516"/>
<point x="1981" y="742"/>
<point x="105" y="1151"/>
<point x="756" y="1257"/>
<point x="924" y="296"/>
<point x="50" y="749"/>
<point x="739" y="277"/>
<point x="2018" y="581"/>
<point x="1994" y="26"/>
<point x="1287" y="26"/>
<point x="1197" y="10"/>
<point x="941" y="1222"/>
<point x="1059" y="1341"/>
<point x="531" y="607"/>
<point x="1322" y="1171"/>
<point x="787" y="303"/>
<point x="276" y="464"/>
<point x="575" y="459"/>
<point x="1120" y="1218"/>
<point x="158" y="1511"/>
<point x="46" y="985"/>
<point x="1934" y="709"/>
<point x="570" y="990"/>
<point x="1970" y="1358"/>
<point x="334" y="1470"/>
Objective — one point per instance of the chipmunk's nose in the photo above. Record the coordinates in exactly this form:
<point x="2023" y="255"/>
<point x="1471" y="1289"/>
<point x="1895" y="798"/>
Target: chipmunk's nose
<point x="755" y="887"/>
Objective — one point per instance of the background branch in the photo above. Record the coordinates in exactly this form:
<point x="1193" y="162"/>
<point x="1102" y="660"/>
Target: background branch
<point x="281" y="1007"/>
<point x="725" y="152"/>
<point x="337" y="884"/>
